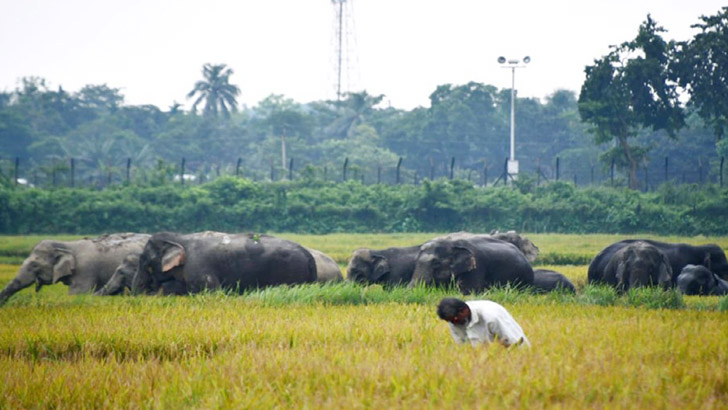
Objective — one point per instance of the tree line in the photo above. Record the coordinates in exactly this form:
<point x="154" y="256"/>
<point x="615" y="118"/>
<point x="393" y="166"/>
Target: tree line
<point x="233" y="204"/>
<point x="626" y="116"/>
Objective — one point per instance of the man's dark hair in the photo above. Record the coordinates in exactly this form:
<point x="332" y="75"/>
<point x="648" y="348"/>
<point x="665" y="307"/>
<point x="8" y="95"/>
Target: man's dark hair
<point x="450" y="307"/>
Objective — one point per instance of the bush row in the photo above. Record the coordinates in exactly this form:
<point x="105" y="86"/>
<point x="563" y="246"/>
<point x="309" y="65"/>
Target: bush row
<point x="316" y="207"/>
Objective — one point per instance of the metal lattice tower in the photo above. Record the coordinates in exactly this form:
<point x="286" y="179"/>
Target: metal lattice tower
<point x="345" y="44"/>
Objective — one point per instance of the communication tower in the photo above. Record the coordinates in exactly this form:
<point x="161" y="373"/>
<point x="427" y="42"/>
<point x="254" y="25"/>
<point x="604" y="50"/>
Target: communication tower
<point x="344" y="46"/>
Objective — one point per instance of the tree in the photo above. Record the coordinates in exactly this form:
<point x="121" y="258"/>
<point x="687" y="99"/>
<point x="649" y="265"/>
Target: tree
<point x="701" y="65"/>
<point x="353" y="111"/>
<point x="628" y="90"/>
<point x="216" y="91"/>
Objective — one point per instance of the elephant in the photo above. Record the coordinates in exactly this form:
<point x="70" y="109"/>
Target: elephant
<point x="391" y="266"/>
<point x="699" y="280"/>
<point x="545" y="280"/>
<point x="83" y="265"/>
<point x="528" y="248"/>
<point x="679" y="255"/>
<point x="638" y="264"/>
<point x="396" y="265"/>
<point x="215" y="260"/>
<point x="327" y="270"/>
<point x="124" y="274"/>
<point x="474" y="263"/>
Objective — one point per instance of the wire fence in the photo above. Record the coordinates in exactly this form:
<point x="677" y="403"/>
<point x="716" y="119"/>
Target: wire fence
<point x="72" y="172"/>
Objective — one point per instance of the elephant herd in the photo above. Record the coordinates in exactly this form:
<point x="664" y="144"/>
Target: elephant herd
<point x="175" y="264"/>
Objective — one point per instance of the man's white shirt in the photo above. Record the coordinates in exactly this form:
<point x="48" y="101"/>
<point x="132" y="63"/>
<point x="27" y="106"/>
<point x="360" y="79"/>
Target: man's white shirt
<point x="488" y="321"/>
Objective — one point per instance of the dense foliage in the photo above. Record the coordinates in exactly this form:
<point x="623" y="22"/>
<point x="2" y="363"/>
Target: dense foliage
<point x="315" y="206"/>
<point x="53" y="137"/>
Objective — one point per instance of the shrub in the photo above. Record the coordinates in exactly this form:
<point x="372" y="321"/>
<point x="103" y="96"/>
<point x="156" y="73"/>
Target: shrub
<point x="655" y="298"/>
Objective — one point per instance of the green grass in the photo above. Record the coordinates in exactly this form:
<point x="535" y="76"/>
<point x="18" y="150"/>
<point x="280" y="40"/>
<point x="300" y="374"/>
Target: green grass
<point x="351" y="346"/>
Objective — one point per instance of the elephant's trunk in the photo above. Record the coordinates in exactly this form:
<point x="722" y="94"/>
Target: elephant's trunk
<point x="113" y="286"/>
<point x="422" y="274"/>
<point x="142" y="278"/>
<point x="23" y="279"/>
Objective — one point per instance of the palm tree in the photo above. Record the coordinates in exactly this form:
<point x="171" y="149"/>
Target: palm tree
<point x="352" y="112"/>
<point x="218" y="94"/>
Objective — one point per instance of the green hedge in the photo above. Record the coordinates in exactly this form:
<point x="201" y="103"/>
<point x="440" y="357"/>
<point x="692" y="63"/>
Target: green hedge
<point x="237" y="204"/>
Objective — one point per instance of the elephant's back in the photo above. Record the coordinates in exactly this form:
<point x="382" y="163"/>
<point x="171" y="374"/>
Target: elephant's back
<point x="504" y="262"/>
<point x="260" y="261"/>
<point x="101" y="256"/>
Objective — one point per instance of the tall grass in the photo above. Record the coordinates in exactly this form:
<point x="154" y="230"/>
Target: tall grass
<point x="212" y="351"/>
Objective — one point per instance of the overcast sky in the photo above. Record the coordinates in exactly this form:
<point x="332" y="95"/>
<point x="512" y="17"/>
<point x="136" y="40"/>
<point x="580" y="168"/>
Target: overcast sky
<point x="153" y="50"/>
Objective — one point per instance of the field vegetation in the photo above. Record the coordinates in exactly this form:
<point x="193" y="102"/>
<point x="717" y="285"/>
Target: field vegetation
<point x="314" y="206"/>
<point x="352" y="346"/>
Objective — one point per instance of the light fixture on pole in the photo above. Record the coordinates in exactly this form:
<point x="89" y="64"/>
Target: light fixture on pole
<point x="513" y="64"/>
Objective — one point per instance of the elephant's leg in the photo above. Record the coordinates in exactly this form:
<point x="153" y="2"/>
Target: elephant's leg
<point x="173" y="287"/>
<point x="206" y="281"/>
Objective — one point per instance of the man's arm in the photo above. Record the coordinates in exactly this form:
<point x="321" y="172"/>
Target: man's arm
<point x="505" y="335"/>
<point x="458" y="334"/>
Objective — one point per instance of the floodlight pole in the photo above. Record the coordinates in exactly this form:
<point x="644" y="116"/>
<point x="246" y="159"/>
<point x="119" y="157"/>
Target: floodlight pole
<point x="513" y="114"/>
<point x="512" y="166"/>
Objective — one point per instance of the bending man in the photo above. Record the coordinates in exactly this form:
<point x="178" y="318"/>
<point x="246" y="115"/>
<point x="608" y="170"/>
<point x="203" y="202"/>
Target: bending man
<point x="481" y="321"/>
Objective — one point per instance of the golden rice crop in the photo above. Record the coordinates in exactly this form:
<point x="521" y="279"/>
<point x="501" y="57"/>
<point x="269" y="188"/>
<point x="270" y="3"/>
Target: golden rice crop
<point x="209" y="351"/>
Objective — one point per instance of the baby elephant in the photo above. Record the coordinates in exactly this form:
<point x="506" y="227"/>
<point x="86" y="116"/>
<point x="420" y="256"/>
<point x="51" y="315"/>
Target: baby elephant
<point x="638" y="264"/>
<point x="699" y="280"/>
<point x="124" y="274"/>
<point x="545" y="281"/>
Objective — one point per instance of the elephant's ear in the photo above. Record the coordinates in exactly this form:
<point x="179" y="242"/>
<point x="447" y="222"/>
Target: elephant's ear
<point x="706" y="261"/>
<point x="463" y="260"/>
<point x="665" y="272"/>
<point x="174" y="255"/>
<point x="381" y="268"/>
<point x="64" y="266"/>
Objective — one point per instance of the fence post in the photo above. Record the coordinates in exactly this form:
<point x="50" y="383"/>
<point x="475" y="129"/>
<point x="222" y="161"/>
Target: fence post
<point x="73" y="172"/>
<point x="666" y="164"/>
<point x="611" y="172"/>
<point x="237" y="168"/>
<point x="575" y="179"/>
<point x="272" y="171"/>
<point x="485" y="173"/>
<point x="700" y="169"/>
<point x="647" y="178"/>
<point x="290" y="170"/>
<point x="538" y="171"/>
<point x="346" y="164"/>
<point x="432" y="169"/>
<point x="399" y="164"/>
<point x="128" y="170"/>
<point x="591" y="172"/>
<point x="17" y="167"/>
<point x="452" y="168"/>
<point x="182" y="172"/>
<point x="558" y="168"/>
<point x="505" y="172"/>
<point x="722" y="159"/>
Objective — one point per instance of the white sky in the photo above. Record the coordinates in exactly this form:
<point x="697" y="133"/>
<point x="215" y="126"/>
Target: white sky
<point x="153" y="50"/>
